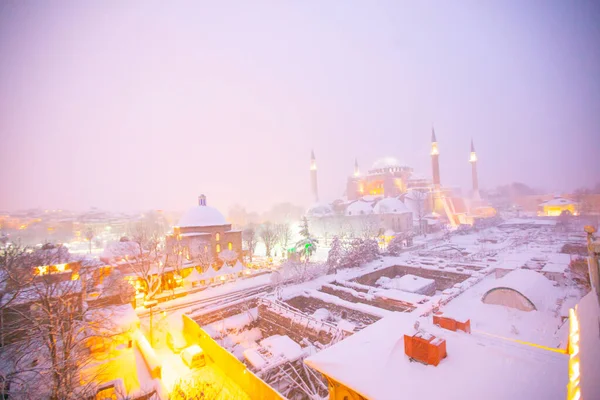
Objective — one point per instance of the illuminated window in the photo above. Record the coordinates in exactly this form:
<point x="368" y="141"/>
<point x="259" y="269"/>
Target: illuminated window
<point x="206" y="249"/>
<point x="230" y="246"/>
<point x="217" y="237"/>
<point x="218" y="248"/>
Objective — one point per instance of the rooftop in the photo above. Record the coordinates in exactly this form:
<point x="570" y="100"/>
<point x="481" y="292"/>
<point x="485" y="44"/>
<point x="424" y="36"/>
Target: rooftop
<point x="373" y="363"/>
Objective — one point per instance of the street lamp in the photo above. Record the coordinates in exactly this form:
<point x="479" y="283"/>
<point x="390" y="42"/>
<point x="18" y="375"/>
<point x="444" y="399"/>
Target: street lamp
<point x="150" y="304"/>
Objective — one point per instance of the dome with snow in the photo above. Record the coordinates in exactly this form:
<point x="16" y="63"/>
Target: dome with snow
<point x="390" y="205"/>
<point x="202" y="215"/>
<point x="385" y="162"/>
<point x="359" y="208"/>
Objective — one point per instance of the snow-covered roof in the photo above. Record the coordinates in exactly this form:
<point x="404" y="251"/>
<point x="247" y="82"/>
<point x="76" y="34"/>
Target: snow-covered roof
<point x="373" y="363"/>
<point x="390" y="205"/>
<point x="201" y="216"/>
<point x="192" y="234"/>
<point x="359" y="207"/>
<point x="406" y="283"/>
<point x="194" y="276"/>
<point x="557" y="201"/>
<point x="319" y="209"/>
<point x="533" y="285"/>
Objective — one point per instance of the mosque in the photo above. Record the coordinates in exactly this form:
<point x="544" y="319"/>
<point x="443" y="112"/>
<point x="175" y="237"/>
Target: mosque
<point x="390" y="198"/>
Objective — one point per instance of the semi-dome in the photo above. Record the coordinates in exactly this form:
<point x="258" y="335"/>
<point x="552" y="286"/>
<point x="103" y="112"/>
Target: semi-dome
<point x="202" y="215"/>
<point x="385" y="162"/>
<point x="359" y="207"/>
<point x="390" y="205"/>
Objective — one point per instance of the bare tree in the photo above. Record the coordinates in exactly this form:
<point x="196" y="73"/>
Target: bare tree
<point x="284" y="235"/>
<point x="147" y="264"/>
<point x="49" y="327"/>
<point x="268" y="235"/>
<point x="250" y="239"/>
<point x="228" y="256"/>
<point x="89" y="235"/>
<point x="419" y="197"/>
<point x="369" y="226"/>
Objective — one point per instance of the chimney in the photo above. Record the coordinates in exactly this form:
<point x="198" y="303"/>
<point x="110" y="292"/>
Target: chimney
<point x="202" y="200"/>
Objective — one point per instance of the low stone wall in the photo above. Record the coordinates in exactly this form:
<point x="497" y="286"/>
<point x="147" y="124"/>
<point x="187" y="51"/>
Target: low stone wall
<point x="376" y="302"/>
<point x="443" y="279"/>
<point x="274" y="323"/>
<point x="309" y="305"/>
<point x="227" y="311"/>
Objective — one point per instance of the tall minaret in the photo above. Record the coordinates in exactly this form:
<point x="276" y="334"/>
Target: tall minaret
<point x="473" y="161"/>
<point x="313" y="176"/>
<point x="435" y="162"/>
<point x="356" y="170"/>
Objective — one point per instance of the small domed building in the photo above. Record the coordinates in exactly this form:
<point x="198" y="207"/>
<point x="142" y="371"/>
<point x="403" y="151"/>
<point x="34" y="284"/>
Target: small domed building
<point x="203" y="229"/>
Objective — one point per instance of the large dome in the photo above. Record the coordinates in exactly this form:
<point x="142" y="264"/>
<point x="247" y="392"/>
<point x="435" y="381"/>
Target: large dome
<point x="202" y="215"/>
<point x="385" y="162"/>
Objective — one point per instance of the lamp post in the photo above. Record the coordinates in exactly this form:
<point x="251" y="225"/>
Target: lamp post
<point x="150" y="304"/>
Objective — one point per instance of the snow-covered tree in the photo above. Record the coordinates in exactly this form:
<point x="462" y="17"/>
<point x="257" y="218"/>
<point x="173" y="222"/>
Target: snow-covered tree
<point x="336" y="253"/>
<point x="147" y="263"/>
<point x="360" y="251"/>
<point x="395" y="246"/>
<point x="228" y="256"/>
<point x="307" y="245"/>
<point x="268" y="235"/>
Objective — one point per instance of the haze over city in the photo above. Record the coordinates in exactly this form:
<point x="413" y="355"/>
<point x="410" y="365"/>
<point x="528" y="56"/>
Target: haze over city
<point x="129" y="106"/>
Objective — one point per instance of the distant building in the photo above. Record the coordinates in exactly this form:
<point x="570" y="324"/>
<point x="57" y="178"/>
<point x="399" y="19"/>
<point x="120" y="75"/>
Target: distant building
<point x="203" y="229"/>
<point x="390" y="197"/>
<point x="556" y="207"/>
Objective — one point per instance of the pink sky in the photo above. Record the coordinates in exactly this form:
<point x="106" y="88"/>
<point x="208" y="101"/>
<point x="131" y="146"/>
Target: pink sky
<point x="143" y="104"/>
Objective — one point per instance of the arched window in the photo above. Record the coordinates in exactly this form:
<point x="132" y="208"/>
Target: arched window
<point x="217" y="237"/>
<point x="218" y="248"/>
<point x="230" y="246"/>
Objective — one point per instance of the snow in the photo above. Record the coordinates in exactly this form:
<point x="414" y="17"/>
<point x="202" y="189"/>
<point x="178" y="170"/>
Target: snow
<point x="273" y="350"/>
<point x="321" y="314"/>
<point x="533" y="285"/>
<point x="405" y="297"/>
<point x="366" y="308"/>
<point x="373" y="363"/>
<point x="118" y="250"/>
<point x="283" y="346"/>
<point x="346" y="325"/>
<point x="390" y="205"/>
<point x="557" y="201"/>
<point x="116" y="319"/>
<point x="540" y="327"/>
<point x="202" y="216"/>
<point x="406" y="283"/>
<point x="237" y="321"/>
<point x="385" y="162"/>
<point x="359" y="207"/>
<point x="192" y="234"/>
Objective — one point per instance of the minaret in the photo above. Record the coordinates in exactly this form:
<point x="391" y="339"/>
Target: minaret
<point x="473" y="161"/>
<point x="313" y="176"/>
<point x="356" y="170"/>
<point x="435" y="163"/>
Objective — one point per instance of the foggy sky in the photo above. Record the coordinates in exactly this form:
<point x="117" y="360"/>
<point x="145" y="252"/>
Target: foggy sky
<point x="136" y="105"/>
